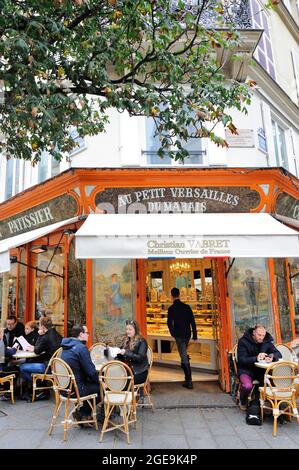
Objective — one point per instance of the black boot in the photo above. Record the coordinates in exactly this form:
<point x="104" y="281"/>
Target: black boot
<point x="188" y="377"/>
<point x="26" y="392"/>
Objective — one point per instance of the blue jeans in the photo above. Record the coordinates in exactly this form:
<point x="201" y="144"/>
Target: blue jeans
<point x="31" y="368"/>
<point x="182" y="345"/>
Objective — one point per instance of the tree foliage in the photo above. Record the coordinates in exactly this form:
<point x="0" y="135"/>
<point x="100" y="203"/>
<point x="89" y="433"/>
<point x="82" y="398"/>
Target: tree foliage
<point x="65" y="63"/>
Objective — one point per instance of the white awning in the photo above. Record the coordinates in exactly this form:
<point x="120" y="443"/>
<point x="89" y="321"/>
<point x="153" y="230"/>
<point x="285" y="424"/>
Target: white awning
<point x="248" y="235"/>
<point x="288" y="220"/>
<point x="23" y="238"/>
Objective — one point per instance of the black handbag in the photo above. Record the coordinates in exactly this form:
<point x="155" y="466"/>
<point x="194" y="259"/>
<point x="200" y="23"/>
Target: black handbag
<point x="253" y="415"/>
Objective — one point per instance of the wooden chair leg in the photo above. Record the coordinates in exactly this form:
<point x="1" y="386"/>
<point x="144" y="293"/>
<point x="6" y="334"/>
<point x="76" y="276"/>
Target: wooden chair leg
<point x="33" y="389"/>
<point x="65" y="424"/>
<point x="11" y="390"/>
<point x="275" y="425"/>
<point x="58" y="404"/>
<point x="107" y="414"/>
<point x="126" y="412"/>
<point x="95" y="413"/>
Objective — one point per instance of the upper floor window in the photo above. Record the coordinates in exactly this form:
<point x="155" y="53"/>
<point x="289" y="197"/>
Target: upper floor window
<point x="55" y="167"/>
<point x="279" y="138"/>
<point x="288" y="5"/>
<point x="295" y="58"/>
<point x="17" y="176"/>
<point x="9" y="178"/>
<point x="43" y="167"/>
<point x="80" y="142"/>
<point x="152" y="145"/>
<point x="263" y="53"/>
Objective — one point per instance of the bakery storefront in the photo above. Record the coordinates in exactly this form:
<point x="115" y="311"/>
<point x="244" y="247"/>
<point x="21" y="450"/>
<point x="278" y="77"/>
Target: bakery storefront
<point x="73" y="247"/>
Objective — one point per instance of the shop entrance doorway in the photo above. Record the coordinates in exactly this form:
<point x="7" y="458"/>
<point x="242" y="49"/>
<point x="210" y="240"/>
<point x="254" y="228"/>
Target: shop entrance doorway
<point x="196" y="279"/>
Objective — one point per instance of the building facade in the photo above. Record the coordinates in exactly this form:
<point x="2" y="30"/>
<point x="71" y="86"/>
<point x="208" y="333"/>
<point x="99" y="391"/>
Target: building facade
<point x="120" y="172"/>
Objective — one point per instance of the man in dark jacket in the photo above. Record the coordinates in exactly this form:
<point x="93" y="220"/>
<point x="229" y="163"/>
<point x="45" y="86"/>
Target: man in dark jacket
<point x="13" y="330"/>
<point x="5" y="352"/>
<point x="48" y="342"/>
<point x="76" y="355"/>
<point x="180" y="320"/>
<point x="255" y="345"/>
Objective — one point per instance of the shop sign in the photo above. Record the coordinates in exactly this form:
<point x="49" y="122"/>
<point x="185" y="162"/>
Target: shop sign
<point x="177" y="200"/>
<point x="188" y="247"/>
<point x="50" y="212"/>
<point x="287" y="206"/>
<point x="244" y="138"/>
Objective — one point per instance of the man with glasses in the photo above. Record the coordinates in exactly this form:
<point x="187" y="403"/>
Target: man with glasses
<point x="77" y="356"/>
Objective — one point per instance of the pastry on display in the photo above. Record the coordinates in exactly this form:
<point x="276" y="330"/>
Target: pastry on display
<point x="154" y="295"/>
<point x="163" y="297"/>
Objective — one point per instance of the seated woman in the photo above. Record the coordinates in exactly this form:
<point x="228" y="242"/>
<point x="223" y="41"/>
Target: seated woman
<point x="134" y="352"/>
<point x="31" y="332"/>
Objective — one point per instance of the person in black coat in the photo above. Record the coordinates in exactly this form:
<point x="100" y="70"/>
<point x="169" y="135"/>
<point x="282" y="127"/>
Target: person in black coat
<point x="13" y="330"/>
<point x="48" y="342"/>
<point x="180" y="321"/>
<point x="77" y="356"/>
<point x="31" y="332"/>
<point x="134" y="352"/>
<point x="255" y="345"/>
<point x="5" y="353"/>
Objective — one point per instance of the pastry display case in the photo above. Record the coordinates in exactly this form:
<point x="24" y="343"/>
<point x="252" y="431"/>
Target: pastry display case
<point x="194" y="279"/>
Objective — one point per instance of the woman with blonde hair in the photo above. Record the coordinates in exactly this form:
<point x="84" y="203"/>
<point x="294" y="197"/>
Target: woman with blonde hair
<point x="134" y="351"/>
<point x="31" y="332"/>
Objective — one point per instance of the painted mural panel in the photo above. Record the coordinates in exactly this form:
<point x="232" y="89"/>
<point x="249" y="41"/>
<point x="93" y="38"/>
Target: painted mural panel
<point x="250" y="295"/>
<point x="114" y="298"/>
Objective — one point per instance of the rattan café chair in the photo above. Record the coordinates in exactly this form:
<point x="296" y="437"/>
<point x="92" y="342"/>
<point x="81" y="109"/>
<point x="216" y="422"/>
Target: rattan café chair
<point x="97" y="353"/>
<point x="66" y="391"/>
<point x="279" y="389"/>
<point x="44" y="377"/>
<point x="117" y="382"/>
<point x="287" y="353"/>
<point x="8" y="379"/>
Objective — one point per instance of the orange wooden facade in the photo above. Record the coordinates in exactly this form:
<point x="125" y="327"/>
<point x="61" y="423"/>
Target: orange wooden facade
<point x="84" y="183"/>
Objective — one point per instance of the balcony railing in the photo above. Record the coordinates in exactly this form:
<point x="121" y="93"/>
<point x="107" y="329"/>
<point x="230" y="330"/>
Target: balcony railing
<point x="236" y="12"/>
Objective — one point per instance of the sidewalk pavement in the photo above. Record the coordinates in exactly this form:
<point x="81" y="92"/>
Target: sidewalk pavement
<point x="218" y="427"/>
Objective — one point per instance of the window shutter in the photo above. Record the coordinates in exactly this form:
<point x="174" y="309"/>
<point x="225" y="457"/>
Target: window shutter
<point x="295" y="57"/>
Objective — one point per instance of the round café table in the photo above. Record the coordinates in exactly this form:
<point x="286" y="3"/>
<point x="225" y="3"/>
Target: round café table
<point x="263" y="364"/>
<point x="24" y="355"/>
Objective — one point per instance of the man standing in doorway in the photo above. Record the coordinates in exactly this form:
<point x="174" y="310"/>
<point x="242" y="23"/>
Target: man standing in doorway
<point x="180" y="321"/>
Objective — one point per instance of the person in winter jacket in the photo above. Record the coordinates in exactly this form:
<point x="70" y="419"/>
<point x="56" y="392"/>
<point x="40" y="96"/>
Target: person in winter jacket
<point x="31" y="332"/>
<point x="180" y="321"/>
<point x="77" y="356"/>
<point x="134" y="352"/>
<point x="48" y="342"/>
<point x="255" y="345"/>
<point x="5" y="352"/>
<point x="13" y="330"/>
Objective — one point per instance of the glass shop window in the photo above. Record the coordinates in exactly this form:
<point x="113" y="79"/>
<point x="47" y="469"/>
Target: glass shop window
<point x="49" y="288"/>
<point x="294" y="275"/>
<point x="280" y="273"/>
<point x="250" y="295"/>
